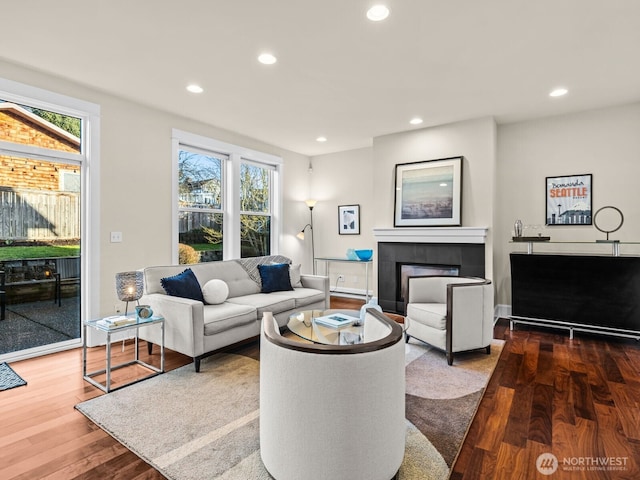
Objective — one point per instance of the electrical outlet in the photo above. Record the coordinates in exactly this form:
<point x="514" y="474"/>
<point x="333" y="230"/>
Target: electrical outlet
<point x="340" y="278"/>
<point x="117" y="308"/>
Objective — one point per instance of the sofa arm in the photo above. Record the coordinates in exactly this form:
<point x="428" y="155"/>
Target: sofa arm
<point x="183" y="323"/>
<point x="318" y="282"/>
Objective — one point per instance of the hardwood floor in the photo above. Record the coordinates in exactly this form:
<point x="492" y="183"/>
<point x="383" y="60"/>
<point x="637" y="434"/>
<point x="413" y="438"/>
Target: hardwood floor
<point x="575" y="399"/>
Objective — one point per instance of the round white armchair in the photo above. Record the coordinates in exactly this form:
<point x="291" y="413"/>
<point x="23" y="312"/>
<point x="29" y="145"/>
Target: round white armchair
<point x="333" y="411"/>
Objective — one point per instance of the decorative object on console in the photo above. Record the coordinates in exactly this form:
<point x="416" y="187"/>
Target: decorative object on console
<point x="569" y="200"/>
<point x="310" y="204"/>
<point x="429" y="193"/>
<point x="364" y="255"/>
<point x="608" y="224"/>
<point x="517" y="229"/>
<point x="351" y="254"/>
<point x="129" y="287"/>
<point x="144" y="311"/>
<point x="349" y="219"/>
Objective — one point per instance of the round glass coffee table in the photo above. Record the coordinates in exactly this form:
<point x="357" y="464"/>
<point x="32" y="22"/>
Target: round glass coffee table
<point x="312" y="325"/>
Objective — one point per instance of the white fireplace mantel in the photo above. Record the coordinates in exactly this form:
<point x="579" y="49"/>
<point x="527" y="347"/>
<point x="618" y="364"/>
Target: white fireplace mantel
<point x="432" y="235"/>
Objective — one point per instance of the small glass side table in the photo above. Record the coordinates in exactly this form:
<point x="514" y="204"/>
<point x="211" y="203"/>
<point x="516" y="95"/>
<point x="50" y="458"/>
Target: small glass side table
<point x="136" y="324"/>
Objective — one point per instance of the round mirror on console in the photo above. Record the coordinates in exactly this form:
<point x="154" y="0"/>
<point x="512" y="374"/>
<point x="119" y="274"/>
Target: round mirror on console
<point x="608" y="220"/>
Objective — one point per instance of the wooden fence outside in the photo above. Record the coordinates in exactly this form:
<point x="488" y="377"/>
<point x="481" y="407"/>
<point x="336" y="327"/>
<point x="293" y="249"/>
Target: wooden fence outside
<point x="39" y="215"/>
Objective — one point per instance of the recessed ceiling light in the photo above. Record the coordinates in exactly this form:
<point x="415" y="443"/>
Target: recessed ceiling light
<point x="377" y="13"/>
<point x="267" y="59"/>
<point x="321" y="139"/>
<point x="558" y="92"/>
<point x="443" y="184"/>
<point x="415" y="121"/>
<point x="193" y="88"/>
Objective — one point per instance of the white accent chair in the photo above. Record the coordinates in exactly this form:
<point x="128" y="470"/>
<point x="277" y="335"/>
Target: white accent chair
<point x="333" y="411"/>
<point x="454" y="314"/>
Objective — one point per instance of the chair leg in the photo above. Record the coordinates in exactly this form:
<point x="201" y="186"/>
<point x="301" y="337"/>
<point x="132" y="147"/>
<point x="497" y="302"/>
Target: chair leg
<point x="488" y="349"/>
<point x="196" y="363"/>
<point x="149" y="347"/>
<point x="450" y="358"/>
<point x="407" y="337"/>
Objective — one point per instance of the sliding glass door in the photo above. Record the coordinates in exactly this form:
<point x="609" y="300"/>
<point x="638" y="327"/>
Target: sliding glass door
<point x="41" y="166"/>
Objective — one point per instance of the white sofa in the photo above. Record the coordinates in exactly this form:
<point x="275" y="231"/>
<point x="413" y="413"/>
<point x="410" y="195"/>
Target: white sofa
<point x="197" y="329"/>
<point x="333" y="411"/>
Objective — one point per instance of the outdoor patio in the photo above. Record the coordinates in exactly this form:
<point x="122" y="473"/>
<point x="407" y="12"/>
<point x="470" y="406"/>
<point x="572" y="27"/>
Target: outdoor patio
<point x="29" y="325"/>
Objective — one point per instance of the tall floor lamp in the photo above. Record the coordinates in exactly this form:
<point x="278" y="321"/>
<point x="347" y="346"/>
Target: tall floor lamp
<point x="310" y="204"/>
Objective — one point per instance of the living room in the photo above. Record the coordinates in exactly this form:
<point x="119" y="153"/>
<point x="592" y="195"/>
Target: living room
<point x="504" y="170"/>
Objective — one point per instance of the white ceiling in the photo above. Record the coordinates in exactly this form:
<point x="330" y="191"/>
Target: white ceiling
<point x="338" y="75"/>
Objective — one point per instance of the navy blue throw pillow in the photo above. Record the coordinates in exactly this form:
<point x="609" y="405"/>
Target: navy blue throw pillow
<point x="275" y="278"/>
<point x="183" y="285"/>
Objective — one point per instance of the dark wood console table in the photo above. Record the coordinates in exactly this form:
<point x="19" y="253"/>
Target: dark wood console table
<point x="590" y="293"/>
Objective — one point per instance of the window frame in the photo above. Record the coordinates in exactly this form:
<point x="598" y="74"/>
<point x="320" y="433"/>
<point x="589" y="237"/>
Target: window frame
<point x="231" y="189"/>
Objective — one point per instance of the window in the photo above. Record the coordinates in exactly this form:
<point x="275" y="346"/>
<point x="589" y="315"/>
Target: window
<point x="255" y="209"/>
<point x="200" y="205"/>
<point x="228" y="200"/>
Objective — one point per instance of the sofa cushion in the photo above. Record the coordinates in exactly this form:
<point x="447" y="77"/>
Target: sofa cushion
<point x="306" y="296"/>
<point x="215" y="291"/>
<point x="184" y="285"/>
<point x="294" y="275"/>
<point x="275" y="278"/>
<point x="266" y="302"/>
<point x="250" y="265"/>
<point x="433" y="315"/>
<point x="225" y="316"/>
<point x="231" y="271"/>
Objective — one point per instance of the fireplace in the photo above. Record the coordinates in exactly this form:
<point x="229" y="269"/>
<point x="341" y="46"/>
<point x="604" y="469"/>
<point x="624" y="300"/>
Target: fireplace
<point x="462" y="248"/>
<point x="406" y="270"/>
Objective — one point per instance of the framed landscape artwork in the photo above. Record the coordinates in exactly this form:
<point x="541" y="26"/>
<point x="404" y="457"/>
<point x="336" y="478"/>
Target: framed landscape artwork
<point x="429" y="193"/>
<point x="569" y="200"/>
<point x="349" y="219"/>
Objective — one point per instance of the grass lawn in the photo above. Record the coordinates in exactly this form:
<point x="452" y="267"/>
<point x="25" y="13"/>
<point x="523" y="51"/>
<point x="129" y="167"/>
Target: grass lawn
<point x="47" y="251"/>
<point x="203" y="247"/>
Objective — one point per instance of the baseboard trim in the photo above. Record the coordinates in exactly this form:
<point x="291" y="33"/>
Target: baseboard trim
<point x="501" y="311"/>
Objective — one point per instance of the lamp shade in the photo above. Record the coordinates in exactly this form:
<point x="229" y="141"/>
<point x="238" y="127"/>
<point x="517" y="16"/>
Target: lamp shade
<point x="129" y="286"/>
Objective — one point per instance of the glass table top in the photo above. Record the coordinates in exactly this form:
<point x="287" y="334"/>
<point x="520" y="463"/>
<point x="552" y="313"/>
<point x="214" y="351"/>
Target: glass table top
<point x="305" y="325"/>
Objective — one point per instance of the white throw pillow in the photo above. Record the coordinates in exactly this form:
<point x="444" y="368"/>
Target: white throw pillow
<point x="215" y="291"/>
<point x="294" y="276"/>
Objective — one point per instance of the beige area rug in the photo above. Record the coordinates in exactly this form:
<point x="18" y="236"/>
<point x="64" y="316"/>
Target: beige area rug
<point x="192" y="426"/>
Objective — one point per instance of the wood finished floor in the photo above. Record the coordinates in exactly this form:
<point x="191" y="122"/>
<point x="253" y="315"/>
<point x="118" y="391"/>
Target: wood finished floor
<point x="548" y="394"/>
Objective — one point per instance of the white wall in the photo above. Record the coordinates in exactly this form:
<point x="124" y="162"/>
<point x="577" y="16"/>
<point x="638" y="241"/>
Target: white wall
<point x="135" y="180"/>
<point x="473" y="139"/>
<point x="366" y="176"/>
<point x="604" y="142"/>
<point x="343" y="178"/>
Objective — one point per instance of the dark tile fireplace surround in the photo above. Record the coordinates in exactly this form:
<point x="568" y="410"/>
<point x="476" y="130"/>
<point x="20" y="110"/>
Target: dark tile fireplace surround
<point x="469" y="258"/>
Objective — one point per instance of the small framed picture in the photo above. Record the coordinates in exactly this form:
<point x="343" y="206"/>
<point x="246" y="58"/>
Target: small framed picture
<point x="349" y="219"/>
